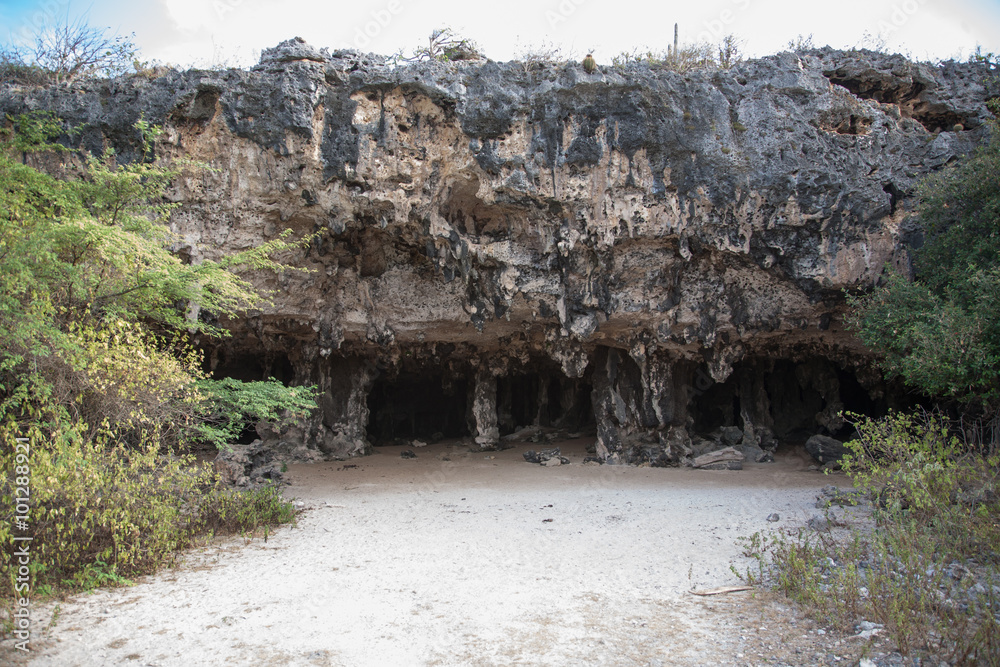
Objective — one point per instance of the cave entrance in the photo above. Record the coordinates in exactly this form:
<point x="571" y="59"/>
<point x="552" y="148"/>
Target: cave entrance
<point x="546" y="398"/>
<point x="423" y="406"/>
<point x="718" y="406"/>
<point x="794" y="399"/>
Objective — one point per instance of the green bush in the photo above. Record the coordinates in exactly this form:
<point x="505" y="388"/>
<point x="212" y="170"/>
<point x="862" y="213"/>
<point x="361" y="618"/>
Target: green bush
<point x="95" y="309"/>
<point x="228" y="405"/>
<point x="928" y="570"/>
<point x="104" y="512"/>
<point x="941" y="332"/>
<point x="926" y="478"/>
<point x="97" y="372"/>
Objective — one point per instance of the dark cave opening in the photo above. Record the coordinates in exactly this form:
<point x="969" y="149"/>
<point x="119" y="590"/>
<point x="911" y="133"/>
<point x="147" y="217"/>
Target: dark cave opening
<point x="795" y="402"/>
<point x="543" y="399"/>
<point x="423" y="403"/>
<point x="716" y="407"/>
<point x="856" y="399"/>
<point x="282" y="370"/>
<point x="243" y="367"/>
<point x="412" y="405"/>
<point x="517" y="401"/>
<point x="251" y="367"/>
<point x="791" y="398"/>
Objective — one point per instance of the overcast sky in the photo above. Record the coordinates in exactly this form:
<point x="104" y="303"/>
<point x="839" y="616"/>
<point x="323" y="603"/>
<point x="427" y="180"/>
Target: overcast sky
<point x="221" y="32"/>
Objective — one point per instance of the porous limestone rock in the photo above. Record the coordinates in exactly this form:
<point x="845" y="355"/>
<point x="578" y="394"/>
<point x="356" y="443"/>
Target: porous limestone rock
<point x="650" y="253"/>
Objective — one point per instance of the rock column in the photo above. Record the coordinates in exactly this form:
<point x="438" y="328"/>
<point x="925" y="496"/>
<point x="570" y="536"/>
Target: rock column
<point x="484" y="409"/>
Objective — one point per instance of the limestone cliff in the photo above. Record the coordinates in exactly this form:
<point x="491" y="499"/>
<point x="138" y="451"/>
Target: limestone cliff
<point x="496" y="245"/>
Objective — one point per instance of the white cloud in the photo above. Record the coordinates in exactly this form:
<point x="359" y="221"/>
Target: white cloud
<point x="187" y="30"/>
<point x="193" y="15"/>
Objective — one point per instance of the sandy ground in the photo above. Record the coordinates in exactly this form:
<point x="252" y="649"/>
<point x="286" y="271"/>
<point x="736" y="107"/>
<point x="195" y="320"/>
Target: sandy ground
<point x="455" y="558"/>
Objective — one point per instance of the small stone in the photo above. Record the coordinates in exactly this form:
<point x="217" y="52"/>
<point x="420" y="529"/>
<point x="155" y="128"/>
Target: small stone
<point x="556" y="461"/>
<point x="552" y="452"/>
<point x="773" y="517"/>
<point x="751" y="452"/>
<point x="418" y="443"/>
<point x="407" y="454"/>
<point x="724" y="465"/>
<point x="818" y="523"/>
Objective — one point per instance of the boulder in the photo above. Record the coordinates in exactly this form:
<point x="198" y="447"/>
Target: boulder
<point x="248" y="465"/>
<point x="731" y="435"/>
<point x="825" y="449"/>
<point x="723" y="459"/>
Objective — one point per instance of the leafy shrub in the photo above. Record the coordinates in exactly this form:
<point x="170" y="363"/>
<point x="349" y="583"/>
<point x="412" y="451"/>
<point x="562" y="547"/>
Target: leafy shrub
<point x="103" y="511"/>
<point x="97" y="372"/>
<point x="929" y="569"/>
<point x="228" y="405"/>
<point x="687" y="58"/>
<point x="941" y="332"/>
<point x="95" y="308"/>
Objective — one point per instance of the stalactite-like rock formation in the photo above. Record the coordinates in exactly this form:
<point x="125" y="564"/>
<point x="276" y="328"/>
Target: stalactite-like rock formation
<point x="653" y="254"/>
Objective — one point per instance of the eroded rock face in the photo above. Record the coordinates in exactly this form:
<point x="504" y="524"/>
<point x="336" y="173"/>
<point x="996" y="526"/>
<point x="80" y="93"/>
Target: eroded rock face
<point x="653" y="254"/>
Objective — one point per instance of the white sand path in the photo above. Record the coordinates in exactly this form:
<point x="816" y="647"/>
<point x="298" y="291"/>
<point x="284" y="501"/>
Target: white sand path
<point x="479" y="560"/>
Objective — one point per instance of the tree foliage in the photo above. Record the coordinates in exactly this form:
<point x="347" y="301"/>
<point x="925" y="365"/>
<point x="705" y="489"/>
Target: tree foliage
<point x="941" y="332"/>
<point x="94" y="306"/>
<point x="69" y="49"/>
<point x="97" y="375"/>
